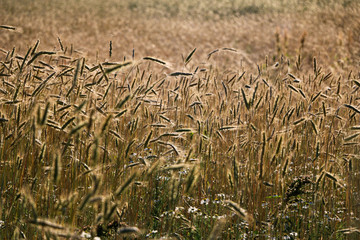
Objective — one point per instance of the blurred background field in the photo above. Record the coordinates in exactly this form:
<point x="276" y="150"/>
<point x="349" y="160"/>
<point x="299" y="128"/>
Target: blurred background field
<point x="170" y="29"/>
<point x="179" y="119"/>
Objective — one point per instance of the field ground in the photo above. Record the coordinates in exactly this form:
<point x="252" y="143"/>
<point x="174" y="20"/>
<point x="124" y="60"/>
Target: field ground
<point x="179" y="119"/>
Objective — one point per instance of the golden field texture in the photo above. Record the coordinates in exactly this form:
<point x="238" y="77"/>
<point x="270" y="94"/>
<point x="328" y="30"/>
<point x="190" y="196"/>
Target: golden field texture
<point x="179" y="119"/>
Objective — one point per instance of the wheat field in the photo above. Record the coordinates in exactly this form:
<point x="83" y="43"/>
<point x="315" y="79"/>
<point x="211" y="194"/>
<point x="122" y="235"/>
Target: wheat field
<point x="179" y="119"/>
